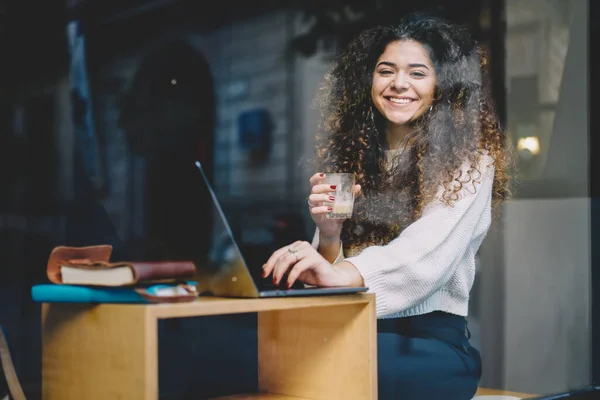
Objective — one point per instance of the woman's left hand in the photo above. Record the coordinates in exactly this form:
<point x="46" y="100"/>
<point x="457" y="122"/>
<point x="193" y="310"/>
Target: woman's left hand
<point x="302" y="262"/>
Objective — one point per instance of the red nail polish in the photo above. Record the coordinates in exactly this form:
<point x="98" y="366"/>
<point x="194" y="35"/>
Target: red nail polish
<point x="332" y="198"/>
<point x="329" y="208"/>
<point x="333" y="187"/>
<point x="321" y="175"/>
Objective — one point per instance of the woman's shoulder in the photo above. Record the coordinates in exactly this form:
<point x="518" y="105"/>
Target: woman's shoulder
<point x="476" y="174"/>
<point x="478" y="168"/>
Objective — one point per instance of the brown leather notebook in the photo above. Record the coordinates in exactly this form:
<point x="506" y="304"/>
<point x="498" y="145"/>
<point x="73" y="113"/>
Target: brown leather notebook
<point x="91" y="266"/>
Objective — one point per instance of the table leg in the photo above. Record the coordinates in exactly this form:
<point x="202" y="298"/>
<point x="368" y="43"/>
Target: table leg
<point x="99" y="352"/>
<point x="322" y="353"/>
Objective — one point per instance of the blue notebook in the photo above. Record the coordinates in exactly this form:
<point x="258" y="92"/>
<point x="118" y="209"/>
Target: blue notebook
<point x="55" y="293"/>
<point x="60" y="293"/>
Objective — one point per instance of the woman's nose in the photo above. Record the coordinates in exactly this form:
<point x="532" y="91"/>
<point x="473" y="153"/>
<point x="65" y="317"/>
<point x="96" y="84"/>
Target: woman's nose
<point x="400" y="82"/>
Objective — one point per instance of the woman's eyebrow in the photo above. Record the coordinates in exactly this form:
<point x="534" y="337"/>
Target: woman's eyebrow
<point x="418" y="65"/>
<point x="388" y="63"/>
<point x="412" y="65"/>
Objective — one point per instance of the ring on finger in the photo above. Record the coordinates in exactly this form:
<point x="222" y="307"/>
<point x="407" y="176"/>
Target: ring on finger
<point x="294" y="252"/>
<point x="311" y="205"/>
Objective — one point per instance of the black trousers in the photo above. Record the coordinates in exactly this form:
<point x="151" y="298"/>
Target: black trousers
<point x="426" y="357"/>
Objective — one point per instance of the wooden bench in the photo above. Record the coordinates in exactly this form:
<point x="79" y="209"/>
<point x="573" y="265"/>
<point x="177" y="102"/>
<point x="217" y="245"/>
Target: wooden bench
<point x="496" y="392"/>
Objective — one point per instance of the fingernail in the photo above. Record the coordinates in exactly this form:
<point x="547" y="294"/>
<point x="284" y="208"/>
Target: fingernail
<point x="333" y="187"/>
<point x="321" y="175"/>
<point x="332" y="198"/>
<point x="329" y="208"/>
<point x="288" y="285"/>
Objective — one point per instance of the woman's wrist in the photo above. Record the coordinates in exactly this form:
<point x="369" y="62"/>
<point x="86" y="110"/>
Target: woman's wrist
<point x="329" y="248"/>
<point x="350" y="275"/>
<point x="329" y="240"/>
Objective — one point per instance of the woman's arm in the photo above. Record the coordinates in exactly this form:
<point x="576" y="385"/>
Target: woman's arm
<point x="425" y="255"/>
<point x="331" y="250"/>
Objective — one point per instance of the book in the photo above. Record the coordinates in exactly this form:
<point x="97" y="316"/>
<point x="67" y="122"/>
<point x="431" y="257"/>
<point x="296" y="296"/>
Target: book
<point x="63" y="293"/>
<point x="90" y="265"/>
<point x="53" y="293"/>
<point x="101" y="273"/>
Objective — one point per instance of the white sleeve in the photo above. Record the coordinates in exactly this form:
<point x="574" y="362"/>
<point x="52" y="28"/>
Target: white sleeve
<point x="421" y="260"/>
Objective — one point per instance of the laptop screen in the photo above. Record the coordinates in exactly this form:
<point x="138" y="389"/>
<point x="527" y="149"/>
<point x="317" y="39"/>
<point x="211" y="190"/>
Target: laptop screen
<point x="226" y="270"/>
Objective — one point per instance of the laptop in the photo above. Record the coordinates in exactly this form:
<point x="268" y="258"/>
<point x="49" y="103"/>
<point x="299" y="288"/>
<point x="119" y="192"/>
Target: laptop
<point x="227" y="274"/>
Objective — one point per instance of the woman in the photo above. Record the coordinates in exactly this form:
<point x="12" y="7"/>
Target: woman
<point x="407" y="110"/>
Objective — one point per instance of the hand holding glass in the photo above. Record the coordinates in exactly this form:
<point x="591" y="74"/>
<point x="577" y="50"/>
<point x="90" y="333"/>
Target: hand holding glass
<point x="343" y="204"/>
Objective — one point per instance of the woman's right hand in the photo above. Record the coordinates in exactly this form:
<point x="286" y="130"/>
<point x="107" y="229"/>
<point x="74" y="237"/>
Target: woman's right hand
<point x="329" y="229"/>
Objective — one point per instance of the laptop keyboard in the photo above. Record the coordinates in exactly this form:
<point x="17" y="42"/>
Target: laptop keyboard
<point x="271" y="286"/>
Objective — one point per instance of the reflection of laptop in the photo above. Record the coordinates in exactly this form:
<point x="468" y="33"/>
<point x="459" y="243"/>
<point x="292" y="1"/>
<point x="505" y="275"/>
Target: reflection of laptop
<point x="227" y="273"/>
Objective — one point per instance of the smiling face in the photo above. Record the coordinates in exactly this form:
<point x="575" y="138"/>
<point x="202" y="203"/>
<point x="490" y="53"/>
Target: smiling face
<point x="403" y="84"/>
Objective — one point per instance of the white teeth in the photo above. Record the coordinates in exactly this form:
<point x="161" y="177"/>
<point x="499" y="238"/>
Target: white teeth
<point x="400" y="101"/>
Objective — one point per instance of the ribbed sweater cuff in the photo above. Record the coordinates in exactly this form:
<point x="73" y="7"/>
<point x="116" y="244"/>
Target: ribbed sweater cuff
<point x="374" y="280"/>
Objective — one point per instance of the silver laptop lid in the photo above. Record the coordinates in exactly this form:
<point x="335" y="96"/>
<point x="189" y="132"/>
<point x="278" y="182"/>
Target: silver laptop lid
<point x="226" y="273"/>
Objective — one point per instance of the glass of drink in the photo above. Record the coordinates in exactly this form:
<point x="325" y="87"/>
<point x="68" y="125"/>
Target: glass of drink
<point x="344" y="194"/>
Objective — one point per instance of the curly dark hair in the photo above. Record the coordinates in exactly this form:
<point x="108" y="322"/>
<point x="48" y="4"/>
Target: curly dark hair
<point x="461" y="127"/>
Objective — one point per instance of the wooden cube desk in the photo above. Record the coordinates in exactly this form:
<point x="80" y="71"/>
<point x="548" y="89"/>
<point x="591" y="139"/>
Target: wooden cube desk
<point x="321" y="348"/>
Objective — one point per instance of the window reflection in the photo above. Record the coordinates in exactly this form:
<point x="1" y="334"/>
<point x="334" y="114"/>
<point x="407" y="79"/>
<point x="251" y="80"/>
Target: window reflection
<point x="537" y="39"/>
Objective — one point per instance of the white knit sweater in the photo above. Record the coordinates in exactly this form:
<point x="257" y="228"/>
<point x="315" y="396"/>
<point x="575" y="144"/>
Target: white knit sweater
<point x="430" y="266"/>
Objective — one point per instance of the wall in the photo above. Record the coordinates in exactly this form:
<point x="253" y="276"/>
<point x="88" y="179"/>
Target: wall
<point x="547" y="281"/>
<point x="251" y="68"/>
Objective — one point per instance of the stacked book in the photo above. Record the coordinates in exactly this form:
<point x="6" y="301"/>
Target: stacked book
<point x="85" y="275"/>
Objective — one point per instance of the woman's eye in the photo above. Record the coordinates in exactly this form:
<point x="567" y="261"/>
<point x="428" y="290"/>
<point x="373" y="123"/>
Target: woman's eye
<point x="385" y="72"/>
<point x="418" y="74"/>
